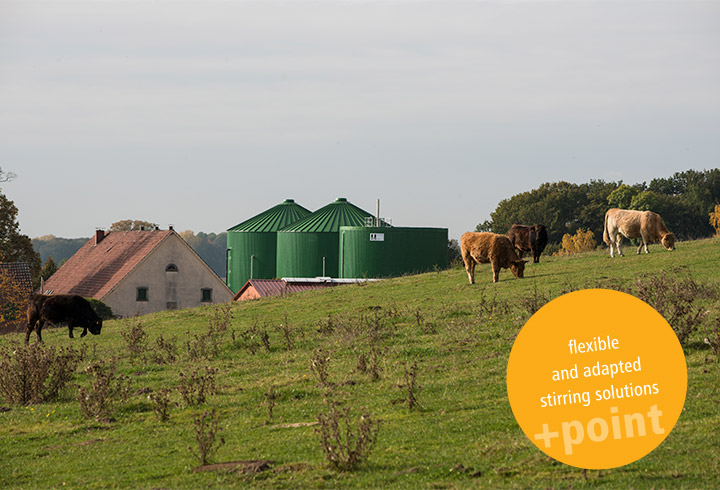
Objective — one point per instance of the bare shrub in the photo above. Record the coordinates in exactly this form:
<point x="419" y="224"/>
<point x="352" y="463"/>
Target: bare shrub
<point x="198" y="346"/>
<point x="98" y="400"/>
<point x="270" y="398"/>
<point x="265" y="339"/>
<point x="368" y="363"/>
<point x="326" y="326"/>
<point x="534" y="302"/>
<point x="492" y="306"/>
<point x="287" y="333"/>
<point x="410" y="387"/>
<point x="161" y="403"/>
<point x="135" y="338"/>
<point x="346" y="444"/>
<point x="36" y="373"/>
<point x="714" y="339"/>
<point x="251" y="338"/>
<point x="165" y="351"/>
<point x="421" y="321"/>
<point x="675" y="296"/>
<point x="207" y="436"/>
<point x="196" y="387"/>
<point x="209" y="343"/>
<point x="319" y="366"/>
<point x="219" y="321"/>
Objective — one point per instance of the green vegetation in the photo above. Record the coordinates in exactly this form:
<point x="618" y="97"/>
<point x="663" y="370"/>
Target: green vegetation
<point x="684" y="201"/>
<point x="421" y="358"/>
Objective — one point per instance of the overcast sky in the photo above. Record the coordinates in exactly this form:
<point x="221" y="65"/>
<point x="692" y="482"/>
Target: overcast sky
<point x="202" y="114"/>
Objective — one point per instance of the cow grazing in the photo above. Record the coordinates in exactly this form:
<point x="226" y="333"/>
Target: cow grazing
<point x="646" y="225"/>
<point x="531" y="239"/>
<point x="483" y="248"/>
<point x="57" y="308"/>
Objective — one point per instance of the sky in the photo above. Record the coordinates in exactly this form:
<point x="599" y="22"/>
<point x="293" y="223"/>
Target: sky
<point x="202" y="114"/>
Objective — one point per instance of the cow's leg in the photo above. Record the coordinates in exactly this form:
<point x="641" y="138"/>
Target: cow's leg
<point x="38" y="328"/>
<point x="70" y="329"/>
<point x="84" y="332"/>
<point x="469" y="265"/>
<point x="470" y="269"/>
<point x="618" y="241"/>
<point x="519" y="252"/>
<point x="28" y="330"/>
<point x="496" y="272"/>
<point x="644" y="241"/>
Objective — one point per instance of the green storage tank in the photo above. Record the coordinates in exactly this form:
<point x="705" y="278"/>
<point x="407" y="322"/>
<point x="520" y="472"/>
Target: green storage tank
<point x="391" y="251"/>
<point x="310" y="247"/>
<point x="252" y="245"/>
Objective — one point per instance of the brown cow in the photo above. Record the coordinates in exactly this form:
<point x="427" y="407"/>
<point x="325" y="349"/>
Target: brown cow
<point x="531" y="239"/>
<point x="483" y="248"/>
<point x="57" y="308"/>
<point x="646" y="225"/>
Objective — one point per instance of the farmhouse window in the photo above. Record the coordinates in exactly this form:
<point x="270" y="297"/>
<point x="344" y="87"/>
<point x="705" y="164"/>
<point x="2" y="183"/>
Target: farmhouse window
<point x="142" y="294"/>
<point x="207" y="295"/>
<point x="171" y="268"/>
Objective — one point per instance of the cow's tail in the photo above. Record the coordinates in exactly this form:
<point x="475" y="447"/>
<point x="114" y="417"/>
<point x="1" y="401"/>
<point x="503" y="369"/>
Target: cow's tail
<point x="606" y="235"/>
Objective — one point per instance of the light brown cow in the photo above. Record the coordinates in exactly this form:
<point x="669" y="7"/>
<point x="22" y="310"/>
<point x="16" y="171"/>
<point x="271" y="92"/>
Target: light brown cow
<point x="646" y="225"/>
<point x="484" y="248"/>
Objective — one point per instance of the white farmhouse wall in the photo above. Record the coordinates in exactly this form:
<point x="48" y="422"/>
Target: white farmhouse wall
<point x="167" y="290"/>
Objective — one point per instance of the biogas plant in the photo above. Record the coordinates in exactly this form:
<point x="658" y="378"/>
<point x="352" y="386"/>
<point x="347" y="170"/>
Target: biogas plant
<point x="339" y="240"/>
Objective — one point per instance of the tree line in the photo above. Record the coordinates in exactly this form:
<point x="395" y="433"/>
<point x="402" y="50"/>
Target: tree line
<point x="684" y="201"/>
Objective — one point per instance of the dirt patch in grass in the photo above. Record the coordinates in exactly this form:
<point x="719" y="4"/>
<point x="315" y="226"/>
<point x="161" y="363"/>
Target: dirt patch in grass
<point x="249" y="467"/>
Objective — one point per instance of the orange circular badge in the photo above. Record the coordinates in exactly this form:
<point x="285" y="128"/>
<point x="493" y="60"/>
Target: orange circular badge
<point x="596" y="379"/>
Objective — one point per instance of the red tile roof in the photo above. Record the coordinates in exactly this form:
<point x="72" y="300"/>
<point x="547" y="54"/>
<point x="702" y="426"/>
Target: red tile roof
<point x="20" y="274"/>
<point x="277" y="287"/>
<point x="96" y="269"/>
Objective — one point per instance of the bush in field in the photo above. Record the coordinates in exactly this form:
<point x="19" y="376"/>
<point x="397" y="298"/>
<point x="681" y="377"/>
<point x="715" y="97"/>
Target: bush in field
<point x="135" y="338"/>
<point x="98" y="399"/>
<point x="715" y="220"/>
<point x="36" y="373"/>
<point x="675" y="296"/>
<point x="581" y="241"/>
<point x="346" y="444"/>
<point x="196" y="387"/>
<point x="207" y="436"/>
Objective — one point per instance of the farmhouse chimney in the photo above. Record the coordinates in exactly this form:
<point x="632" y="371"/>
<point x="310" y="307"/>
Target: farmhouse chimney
<point x="99" y="235"/>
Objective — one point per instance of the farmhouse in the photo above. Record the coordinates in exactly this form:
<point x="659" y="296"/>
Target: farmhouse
<point x="139" y="272"/>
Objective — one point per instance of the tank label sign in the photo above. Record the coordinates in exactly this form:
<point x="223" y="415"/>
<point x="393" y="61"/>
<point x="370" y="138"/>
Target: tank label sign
<point x="377" y="237"/>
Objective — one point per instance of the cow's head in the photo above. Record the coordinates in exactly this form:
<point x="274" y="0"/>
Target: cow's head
<point x="95" y="327"/>
<point x="518" y="268"/>
<point x="668" y="241"/>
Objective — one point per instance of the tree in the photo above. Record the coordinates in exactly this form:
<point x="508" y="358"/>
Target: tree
<point x="15" y="247"/>
<point x="48" y="269"/>
<point x="132" y="225"/>
<point x="6" y="176"/>
<point x="715" y="220"/>
<point x="622" y="197"/>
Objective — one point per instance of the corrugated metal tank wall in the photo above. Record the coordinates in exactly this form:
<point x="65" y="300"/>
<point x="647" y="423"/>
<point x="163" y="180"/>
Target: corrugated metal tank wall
<point x="391" y="251"/>
<point x="252" y="244"/>
<point x="310" y="247"/>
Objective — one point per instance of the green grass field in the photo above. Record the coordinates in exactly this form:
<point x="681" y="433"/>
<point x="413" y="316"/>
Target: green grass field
<point x="462" y="435"/>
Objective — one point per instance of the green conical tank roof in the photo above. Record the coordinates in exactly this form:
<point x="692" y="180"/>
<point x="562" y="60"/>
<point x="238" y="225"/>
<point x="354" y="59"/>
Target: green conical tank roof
<point x="330" y="218"/>
<point x="275" y="218"/>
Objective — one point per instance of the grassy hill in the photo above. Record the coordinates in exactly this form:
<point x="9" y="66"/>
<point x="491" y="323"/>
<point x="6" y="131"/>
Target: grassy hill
<point x="462" y="434"/>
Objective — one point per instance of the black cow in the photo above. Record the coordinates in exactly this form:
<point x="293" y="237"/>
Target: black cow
<point x="57" y="308"/>
<point x="529" y="239"/>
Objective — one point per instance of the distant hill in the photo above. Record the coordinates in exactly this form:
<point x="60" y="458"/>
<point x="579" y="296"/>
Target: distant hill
<point x="60" y="249"/>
